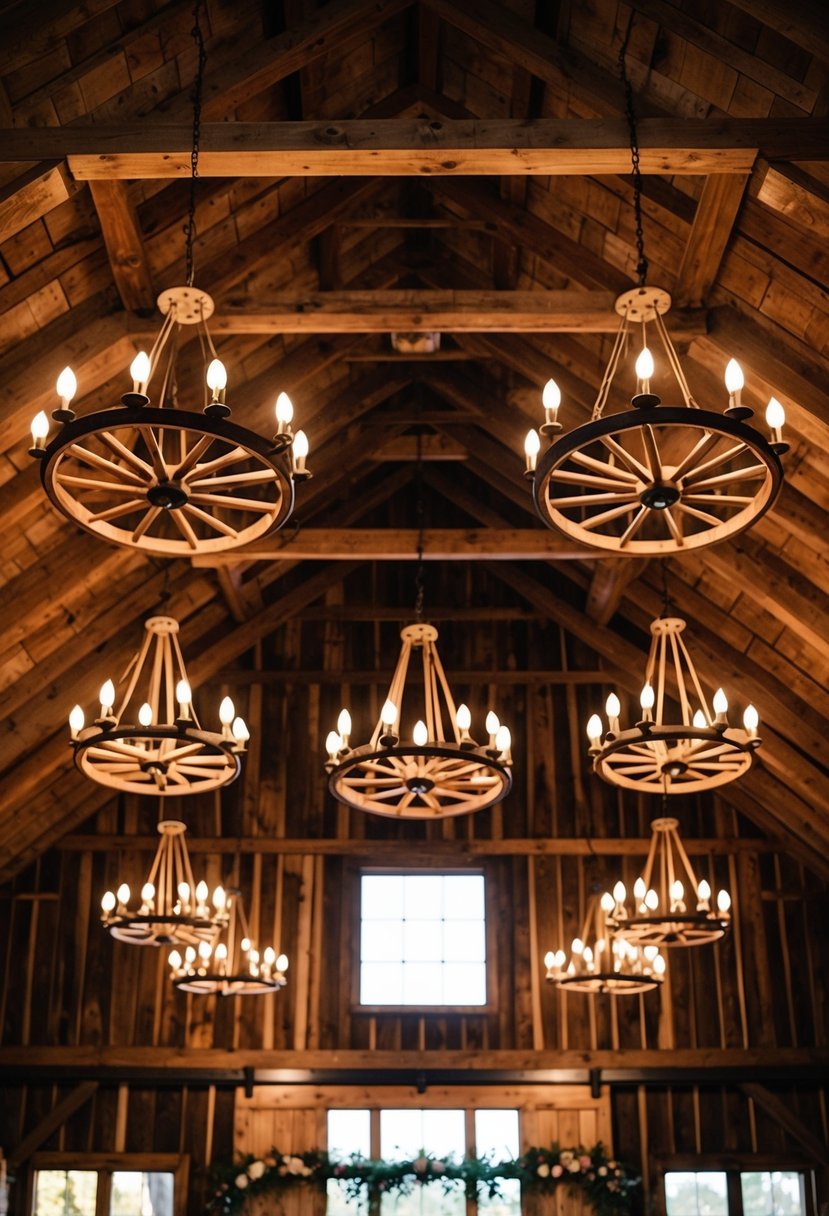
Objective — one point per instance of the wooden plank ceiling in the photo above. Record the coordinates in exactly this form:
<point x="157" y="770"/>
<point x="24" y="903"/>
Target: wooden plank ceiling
<point x="417" y="110"/>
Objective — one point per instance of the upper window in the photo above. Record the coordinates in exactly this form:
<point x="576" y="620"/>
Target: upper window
<point x="59" y="1192"/>
<point x="762" y="1193"/>
<point x="422" y="939"/>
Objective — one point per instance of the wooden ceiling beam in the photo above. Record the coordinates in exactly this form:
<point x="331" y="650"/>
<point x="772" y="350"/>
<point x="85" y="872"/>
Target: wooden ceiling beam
<point x="421" y="311"/>
<point x="124" y="244"/>
<point x="406" y="147"/>
<point x="32" y="195"/>
<point x="711" y="230"/>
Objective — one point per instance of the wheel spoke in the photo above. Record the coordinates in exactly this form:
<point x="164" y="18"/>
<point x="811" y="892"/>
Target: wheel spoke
<point x="633" y="527"/>
<point x="750" y="473"/>
<point x="701" y="448"/>
<point x="613" y="472"/>
<point x="124" y="508"/>
<point x="185" y="528"/>
<point x="156" y="455"/>
<point x="234" y="456"/>
<point x="232" y="480"/>
<point x="714" y="499"/>
<point x="697" y="514"/>
<point x="654" y="459"/>
<point x="100" y="462"/>
<point x="673" y="527"/>
<point x="604" y="517"/>
<point x="627" y="458"/>
<point x="90" y="483"/>
<point x="194" y="455"/>
<point x="235" y="504"/>
<point x="591" y="481"/>
<point x="591" y="500"/>
<point x="126" y="454"/>
<point x="715" y="463"/>
<point x="150" y="517"/>
<point x="218" y="525"/>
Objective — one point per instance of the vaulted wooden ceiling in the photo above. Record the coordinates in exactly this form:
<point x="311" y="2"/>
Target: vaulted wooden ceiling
<point x="371" y="166"/>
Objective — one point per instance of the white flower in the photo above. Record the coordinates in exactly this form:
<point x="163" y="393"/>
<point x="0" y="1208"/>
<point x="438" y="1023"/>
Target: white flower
<point x="256" y="1169"/>
<point x="566" y="1157"/>
<point x="241" y="1181"/>
<point x="305" y="1171"/>
<point x="543" y="1170"/>
<point x="574" y="1167"/>
<point x="602" y="1170"/>
<point x="295" y="1165"/>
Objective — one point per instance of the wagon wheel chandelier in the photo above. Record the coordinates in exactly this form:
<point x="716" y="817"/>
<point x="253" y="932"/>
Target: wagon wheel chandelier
<point x="153" y="743"/>
<point x="438" y="770"/>
<point x="229" y="964"/>
<point x="164" y="479"/>
<point x="654" y="479"/>
<point x="672" y="749"/>
<point x="173" y="908"/>
<point x="603" y="960"/>
<point x="658" y="914"/>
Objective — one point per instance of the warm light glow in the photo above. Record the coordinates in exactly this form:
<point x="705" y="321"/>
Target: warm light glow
<point x="578" y="946"/>
<point x="751" y="719"/>
<point x="184" y="694"/>
<point x="140" y="368"/>
<point x="388" y="714"/>
<point x="66" y="385"/>
<point x="677" y="890"/>
<point x="239" y="730"/>
<point x="734" y="378"/>
<point x="549" y="960"/>
<point x="220" y="899"/>
<point x="216" y="376"/>
<point x="123" y="894"/>
<point x="644" y="364"/>
<point x="532" y="444"/>
<point x="463" y="718"/>
<point x="333" y="744"/>
<point x="503" y="739"/>
<point x="227" y="711"/>
<point x="612" y="706"/>
<point x="639" y="889"/>
<point x="40" y="426"/>
<point x="76" y="720"/>
<point x="420" y="734"/>
<point x="282" y="962"/>
<point x="108" y="902"/>
<point x="145" y="714"/>
<point x="651" y="900"/>
<point x="594" y="728"/>
<point x="493" y="723"/>
<point x="775" y="414"/>
<point x="147" y="893"/>
<point x="700" y="720"/>
<point x="344" y="723"/>
<point x="220" y="953"/>
<point x="704" y="891"/>
<point x="174" y="959"/>
<point x="607" y="902"/>
<point x="284" y="409"/>
<point x="205" y="951"/>
<point x="723" y="901"/>
<point x="300" y="445"/>
<point x="720" y="702"/>
<point x="107" y="695"/>
<point x="620" y="892"/>
<point x="184" y="892"/>
<point x="659" y="965"/>
<point x="647" y="697"/>
<point x="551" y="396"/>
<point x="201" y="892"/>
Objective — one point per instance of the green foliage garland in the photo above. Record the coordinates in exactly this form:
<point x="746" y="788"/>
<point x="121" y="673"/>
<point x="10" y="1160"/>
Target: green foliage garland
<point x="605" y="1183"/>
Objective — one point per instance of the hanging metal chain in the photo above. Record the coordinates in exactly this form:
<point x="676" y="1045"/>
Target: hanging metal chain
<point x="419" y="514"/>
<point x="198" y="87"/>
<point x="630" y="114"/>
<point x="666" y="599"/>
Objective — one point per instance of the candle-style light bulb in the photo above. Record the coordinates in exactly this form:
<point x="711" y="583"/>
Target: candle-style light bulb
<point x="220" y="899"/>
<point x="613" y="708"/>
<point x="145" y="714"/>
<point x="174" y="959"/>
<point x="227" y="711"/>
<point x="140" y="371"/>
<point x="493" y="725"/>
<point x="503" y="741"/>
<point x="644" y="369"/>
<point x="549" y="960"/>
<point x="620" y="892"/>
<point x="551" y="400"/>
<point x="216" y="377"/>
<point x="147" y="893"/>
<point x="594" y="730"/>
<point x="201" y="892"/>
<point x="647" y="697"/>
<point x="723" y="901"/>
<point x="344" y="724"/>
<point x="108" y="902"/>
<point x="333" y="744"/>
<point x="282" y="962"/>
<point x="220" y="953"/>
<point x="388" y="714"/>
<point x="704" y="891"/>
<point x="751" y="720"/>
<point x="676" y="892"/>
<point x="532" y="446"/>
<point x="239" y="730"/>
<point x="123" y="893"/>
<point x="183" y="890"/>
<point x="720" y="707"/>
<point x="284" y="414"/>
<point x="40" y="429"/>
<point x="607" y="902"/>
<point x="639" y="889"/>
<point x="734" y="382"/>
<point x="651" y="900"/>
<point x="775" y="414"/>
<point x="66" y="387"/>
<point x="420" y="734"/>
<point x="699" y="720"/>
<point x="76" y="721"/>
<point x="463" y="718"/>
<point x="300" y="451"/>
<point x="107" y="698"/>
<point x="184" y="696"/>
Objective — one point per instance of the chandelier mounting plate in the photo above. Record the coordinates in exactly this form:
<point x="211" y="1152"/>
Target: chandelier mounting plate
<point x="189" y="305"/>
<point x="643" y="303"/>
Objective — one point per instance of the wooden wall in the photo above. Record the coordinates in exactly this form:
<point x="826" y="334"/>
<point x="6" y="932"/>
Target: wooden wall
<point x="560" y="836"/>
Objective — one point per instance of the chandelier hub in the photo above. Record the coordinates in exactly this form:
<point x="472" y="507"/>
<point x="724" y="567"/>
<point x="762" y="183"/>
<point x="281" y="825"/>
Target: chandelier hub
<point x="420" y="784"/>
<point x="660" y="495"/>
<point x="188" y="304"/>
<point x="643" y="303"/>
<point x="170" y="495"/>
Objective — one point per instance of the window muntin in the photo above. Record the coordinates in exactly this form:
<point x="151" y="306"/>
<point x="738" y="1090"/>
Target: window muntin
<point x="696" y="1194"/>
<point x="90" y="1192"/>
<point x="758" y="1193"/>
<point x="423" y="940"/>
<point x="772" y="1193"/>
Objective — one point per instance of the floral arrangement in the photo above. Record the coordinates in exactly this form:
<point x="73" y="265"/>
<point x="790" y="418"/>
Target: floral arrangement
<point x="606" y="1184"/>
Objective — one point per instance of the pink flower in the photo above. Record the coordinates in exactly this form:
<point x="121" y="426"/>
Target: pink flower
<point x="556" y="1171"/>
<point x="584" y="1162"/>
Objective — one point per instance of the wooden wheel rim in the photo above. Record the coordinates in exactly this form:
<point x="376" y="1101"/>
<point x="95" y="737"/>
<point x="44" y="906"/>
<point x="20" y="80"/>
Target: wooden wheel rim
<point x="637" y="750"/>
<point x="625" y="482"/>
<point x="96" y="760"/>
<point x="610" y="983"/>
<point x="64" y="466"/>
<point x="226" y="985"/>
<point x="681" y="929"/>
<point x="389" y="767"/>
<point x="147" y="930"/>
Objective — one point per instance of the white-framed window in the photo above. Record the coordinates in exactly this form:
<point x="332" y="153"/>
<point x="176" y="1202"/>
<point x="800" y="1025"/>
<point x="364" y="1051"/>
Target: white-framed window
<point x="403" y="1134"/>
<point x="736" y="1191"/>
<point x="90" y="1185"/>
<point x="423" y="939"/>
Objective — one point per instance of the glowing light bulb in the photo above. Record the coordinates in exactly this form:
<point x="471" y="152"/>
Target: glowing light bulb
<point x="577" y="946"/>
<point x="107" y="697"/>
<point x="620" y="892"/>
<point x="699" y="720"/>
<point x="644" y="366"/>
<point x="76" y="721"/>
<point x="639" y="889"/>
<point x="344" y="723"/>
<point x="190" y="954"/>
<point x="388" y="714"/>
<point x="282" y="962"/>
<point x="184" y="892"/>
<point x="300" y="450"/>
<point x="549" y="960"/>
<point x="227" y="711"/>
<point x="659" y="965"/>
<point x="269" y="956"/>
<point x="174" y="959"/>
<point x="704" y="891"/>
<point x="220" y="899"/>
<point x="551" y="399"/>
<point x="220" y="953"/>
<point x="775" y="414"/>
<point x="720" y="703"/>
<point x="40" y="429"/>
<point x="723" y="901"/>
<point x="677" y="891"/>
<point x="66" y="386"/>
<point x="420" y="734"/>
<point x="140" y="371"/>
<point x="284" y="412"/>
<point x="463" y="718"/>
<point x="184" y="695"/>
<point x="205" y="950"/>
<point x="751" y="719"/>
<point x="607" y="902"/>
<point x="147" y="893"/>
<point x="594" y="730"/>
<point x="647" y="697"/>
<point x="108" y="902"/>
<point x="734" y="378"/>
<point x="612" y="706"/>
<point x="239" y="730"/>
<point x="493" y="725"/>
<point x="201" y="892"/>
<point x="145" y="714"/>
<point x="333" y="744"/>
<point x="123" y="894"/>
<point x="532" y="446"/>
<point x="651" y="900"/>
<point x="216" y="377"/>
<point x="503" y="740"/>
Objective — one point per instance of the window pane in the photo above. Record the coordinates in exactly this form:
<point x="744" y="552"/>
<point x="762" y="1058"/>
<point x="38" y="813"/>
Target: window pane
<point x="382" y="896"/>
<point x="137" y="1194"/>
<point x="381" y="984"/>
<point x="349" y="1131"/>
<point x="464" y="984"/>
<point x="423" y="984"/>
<point x="496" y="1134"/>
<point x="701" y="1194"/>
<point x="382" y="941"/>
<point x="771" y="1194"/>
<point x="65" y="1192"/>
<point x="423" y="941"/>
<point x="464" y="941"/>
<point x="463" y="896"/>
<point x="423" y="896"/>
